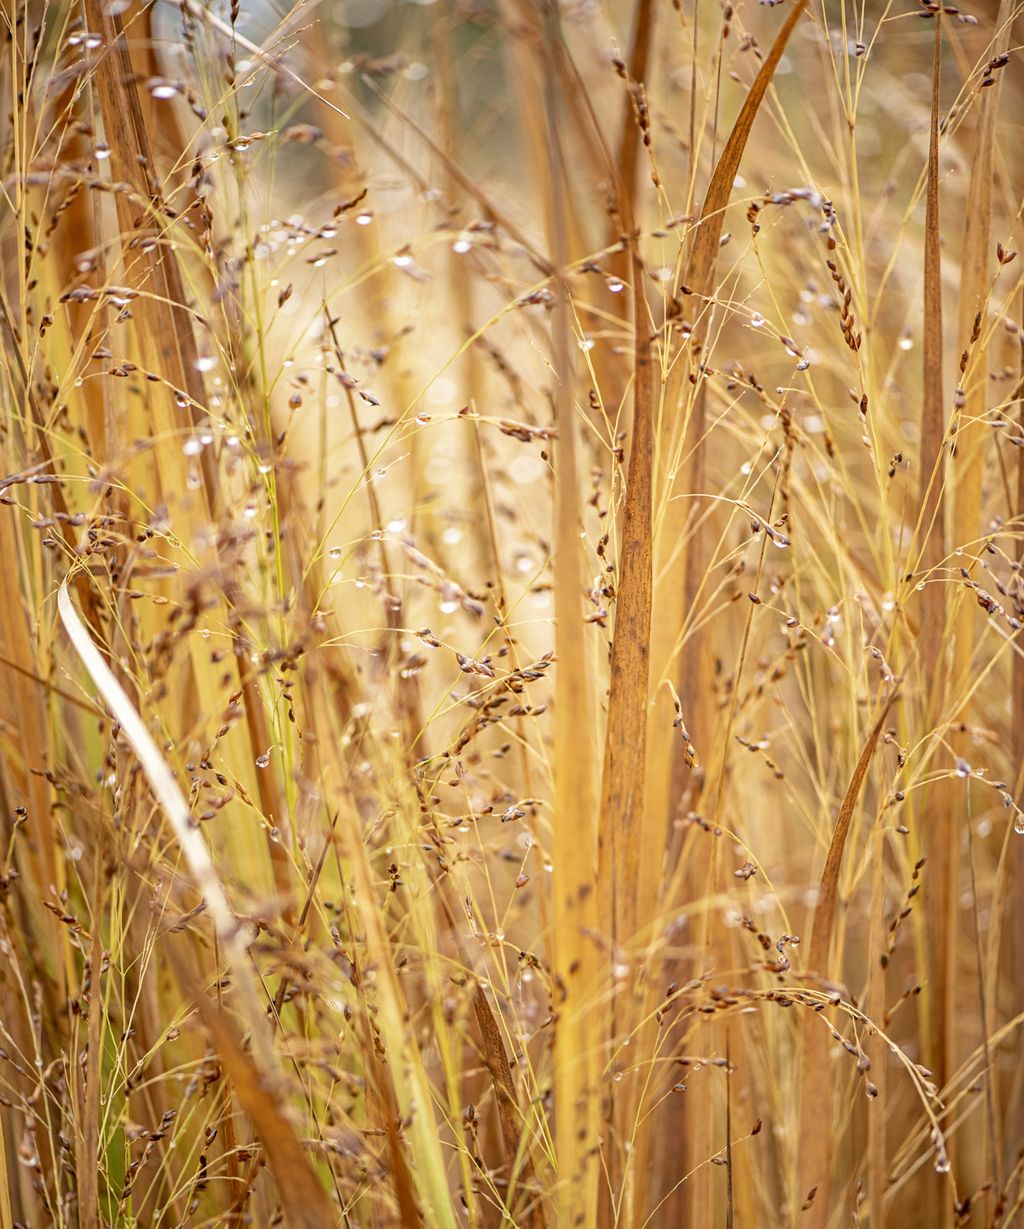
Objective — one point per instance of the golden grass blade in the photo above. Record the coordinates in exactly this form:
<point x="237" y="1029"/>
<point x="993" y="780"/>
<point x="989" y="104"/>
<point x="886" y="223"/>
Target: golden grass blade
<point x="825" y="910"/>
<point x="966" y="475"/>
<point x="6" y="1216"/>
<point x="700" y="269"/>
<point x="624" y="774"/>
<point x="509" y="1114"/>
<point x="626" y="161"/>
<point x="944" y="829"/>
<point x="625" y="748"/>
<point x="686" y="577"/>
<point x="578" y="1029"/>
<point x="29" y="735"/>
<point x="1015" y="1109"/>
<point x="932" y="405"/>
<point x="817" y="1131"/>
<point x="172" y="802"/>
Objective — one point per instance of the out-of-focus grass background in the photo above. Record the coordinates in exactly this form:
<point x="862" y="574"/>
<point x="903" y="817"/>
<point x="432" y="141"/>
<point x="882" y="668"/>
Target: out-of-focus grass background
<point x="510" y="656"/>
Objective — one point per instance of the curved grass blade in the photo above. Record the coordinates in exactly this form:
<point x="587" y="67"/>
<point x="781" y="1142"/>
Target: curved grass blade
<point x="817" y="1137"/>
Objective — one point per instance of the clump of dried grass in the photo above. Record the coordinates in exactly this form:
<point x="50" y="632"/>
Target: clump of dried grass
<point x="468" y="616"/>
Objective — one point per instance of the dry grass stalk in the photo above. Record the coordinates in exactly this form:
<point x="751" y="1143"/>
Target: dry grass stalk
<point x="437" y="699"/>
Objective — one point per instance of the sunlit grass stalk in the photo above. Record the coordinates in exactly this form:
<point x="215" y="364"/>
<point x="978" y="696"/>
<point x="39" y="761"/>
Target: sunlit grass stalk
<point x="578" y="1041"/>
<point x="944" y="840"/>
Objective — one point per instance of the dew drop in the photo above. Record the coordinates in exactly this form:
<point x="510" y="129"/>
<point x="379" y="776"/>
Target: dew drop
<point x="263" y="760"/>
<point x="159" y="87"/>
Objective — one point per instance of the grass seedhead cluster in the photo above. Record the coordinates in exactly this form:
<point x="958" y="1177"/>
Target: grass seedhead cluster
<point x="511" y="660"/>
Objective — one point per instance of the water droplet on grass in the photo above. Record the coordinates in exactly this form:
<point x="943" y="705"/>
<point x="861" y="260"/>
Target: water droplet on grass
<point x="159" y="87"/>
